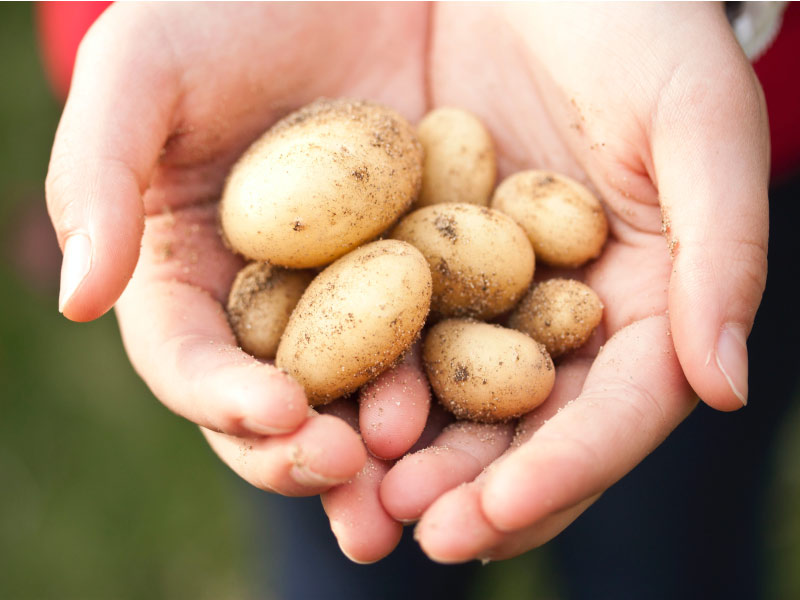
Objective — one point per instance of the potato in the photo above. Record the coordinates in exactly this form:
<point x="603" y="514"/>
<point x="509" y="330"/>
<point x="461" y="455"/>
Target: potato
<point x="485" y="372"/>
<point x="356" y="319"/>
<point x="560" y="313"/>
<point x="459" y="163"/>
<point x="564" y="221"/>
<point x="319" y="183"/>
<point x="481" y="261"/>
<point x="259" y="305"/>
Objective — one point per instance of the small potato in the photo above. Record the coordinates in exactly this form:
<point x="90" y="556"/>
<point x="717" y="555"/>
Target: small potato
<point x="259" y="305"/>
<point x="460" y="162"/>
<point x="356" y="319"/>
<point x="484" y="372"/>
<point x="481" y="261"/>
<point x="319" y="183"/>
<point x="560" y="313"/>
<point x="564" y="221"/>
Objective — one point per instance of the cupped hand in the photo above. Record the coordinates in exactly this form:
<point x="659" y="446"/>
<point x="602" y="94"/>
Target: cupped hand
<point x="657" y="109"/>
<point x="163" y="100"/>
<point x="653" y="106"/>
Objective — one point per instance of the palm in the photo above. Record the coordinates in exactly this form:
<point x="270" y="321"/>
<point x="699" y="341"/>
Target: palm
<point x="478" y="65"/>
<point x="227" y="78"/>
<point x="546" y="93"/>
<point x="187" y="178"/>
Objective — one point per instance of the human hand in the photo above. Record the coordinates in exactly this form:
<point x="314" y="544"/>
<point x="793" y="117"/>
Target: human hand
<point x="210" y="99"/>
<point x="163" y="100"/>
<point x="657" y="108"/>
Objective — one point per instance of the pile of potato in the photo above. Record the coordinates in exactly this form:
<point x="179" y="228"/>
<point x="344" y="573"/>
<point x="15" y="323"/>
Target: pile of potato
<point x="325" y="182"/>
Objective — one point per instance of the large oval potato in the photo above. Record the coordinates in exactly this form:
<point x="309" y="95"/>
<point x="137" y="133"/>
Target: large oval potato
<point x="564" y="221"/>
<point x="356" y="319"/>
<point x="485" y="372"/>
<point x="320" y="182"/>
<point x="460" y="163"/>
<point x="560" y="313"/>
<point x="481" y="261"/>
<point x="259" y="305"/>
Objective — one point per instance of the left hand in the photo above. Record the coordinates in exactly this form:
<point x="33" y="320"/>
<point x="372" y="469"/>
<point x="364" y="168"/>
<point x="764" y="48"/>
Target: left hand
<point x="656" y="107"/>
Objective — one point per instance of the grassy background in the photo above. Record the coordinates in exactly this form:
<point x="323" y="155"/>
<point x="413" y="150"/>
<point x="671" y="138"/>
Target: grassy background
<point x="103" y="493"/>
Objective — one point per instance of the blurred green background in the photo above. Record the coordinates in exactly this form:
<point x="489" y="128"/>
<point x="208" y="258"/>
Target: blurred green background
<point x="103" y="492"/>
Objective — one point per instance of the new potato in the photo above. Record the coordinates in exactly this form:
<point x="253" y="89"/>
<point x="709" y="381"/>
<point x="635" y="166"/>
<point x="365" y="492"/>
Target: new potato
<point x="356" y="319"/>
<point x="259" y="305"/>
<point x="560" y="313"/>
<point x="481" y="261"/>
<point x="460" y="163"/>
<point x="564" y="221"/>
<point x="320" y="182"/>
<point x="485" y="372"/>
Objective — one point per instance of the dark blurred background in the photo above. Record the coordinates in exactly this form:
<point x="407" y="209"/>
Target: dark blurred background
<point x="103" y="492"/>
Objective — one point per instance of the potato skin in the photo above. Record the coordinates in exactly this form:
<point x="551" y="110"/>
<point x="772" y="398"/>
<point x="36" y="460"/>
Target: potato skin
<point x="564" y="221"/>
<point x="559" y="313"/>
<point x="460" y="164"/>
<point x="259" y="304"/>
<point x="356" y="319"/>
<point x="320" y="182"/>
<point x="485" y="372"/>
<point x="481" y="261"/>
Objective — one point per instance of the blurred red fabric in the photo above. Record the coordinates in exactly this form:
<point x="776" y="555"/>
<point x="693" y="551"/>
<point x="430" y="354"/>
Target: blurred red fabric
<point x="779" y="72"/>
<point x="60" y="29"/>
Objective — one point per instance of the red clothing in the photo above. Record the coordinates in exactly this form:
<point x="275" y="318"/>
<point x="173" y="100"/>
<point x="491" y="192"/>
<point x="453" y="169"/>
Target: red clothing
<point x="779" y="72"/>
<point x="61" y="27"/>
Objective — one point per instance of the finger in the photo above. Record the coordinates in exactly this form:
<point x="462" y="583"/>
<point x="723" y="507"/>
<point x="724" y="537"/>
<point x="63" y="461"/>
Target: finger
<point x="323" y="452"/>
<point x="394" y="407"/>
<point x="711" y="158"/>
<point x="456" y="456"/>
<point x="105" y="149"/>
<point x="536" y="535"/>
<point x="442" y="534"/>
<point x="363" y="529"/>
<point x="633" y="397"/>
<point x="178" y="337"/>
<point x="570" y="377"/>
<point x="463" y="450"/>
<point x="454" y="529"/>
<point x="186" y="353"/>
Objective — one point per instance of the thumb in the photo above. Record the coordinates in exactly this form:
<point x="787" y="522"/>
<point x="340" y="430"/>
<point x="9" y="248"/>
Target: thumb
<point x="710" y="146"/>
<point x="105" y="149"/>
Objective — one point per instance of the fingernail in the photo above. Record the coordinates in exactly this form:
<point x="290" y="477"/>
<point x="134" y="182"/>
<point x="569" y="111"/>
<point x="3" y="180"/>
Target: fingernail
<point x="74" y="267"/>
<point x="305" y="476"/>
<point x="302" y="474"/>
<point x="732" y="358"/>
<point x="262" y="429"/>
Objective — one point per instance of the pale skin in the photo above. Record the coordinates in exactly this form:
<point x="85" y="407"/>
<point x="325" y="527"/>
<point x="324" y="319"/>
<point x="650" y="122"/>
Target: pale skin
<point x="654" y="106"/>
